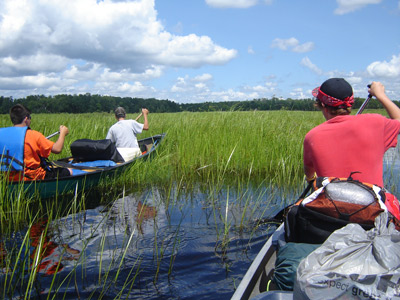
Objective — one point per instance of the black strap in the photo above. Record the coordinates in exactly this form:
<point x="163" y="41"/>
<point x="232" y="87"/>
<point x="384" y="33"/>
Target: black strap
<point x="10" y="159"/>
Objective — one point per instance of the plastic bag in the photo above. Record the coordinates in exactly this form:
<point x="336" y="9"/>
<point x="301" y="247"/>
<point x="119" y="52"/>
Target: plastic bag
<point x="353" y="264"/>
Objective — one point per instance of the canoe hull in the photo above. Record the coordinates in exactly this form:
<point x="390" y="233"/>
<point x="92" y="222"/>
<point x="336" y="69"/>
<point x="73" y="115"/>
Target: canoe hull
<point x="81" y="182"/>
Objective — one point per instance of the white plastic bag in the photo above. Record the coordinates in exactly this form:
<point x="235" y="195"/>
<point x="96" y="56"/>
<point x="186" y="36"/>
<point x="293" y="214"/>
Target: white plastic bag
<point x="353" y="264"/>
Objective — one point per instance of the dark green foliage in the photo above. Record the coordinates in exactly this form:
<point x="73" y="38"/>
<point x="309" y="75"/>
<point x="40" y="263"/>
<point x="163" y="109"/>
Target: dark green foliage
<point x="86" y="103"/>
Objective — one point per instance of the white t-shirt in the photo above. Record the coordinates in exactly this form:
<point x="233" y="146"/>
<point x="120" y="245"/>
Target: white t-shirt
<point x="123" y="133"/>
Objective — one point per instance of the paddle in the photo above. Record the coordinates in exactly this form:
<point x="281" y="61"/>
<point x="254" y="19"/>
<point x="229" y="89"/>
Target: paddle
<point x="138" y="116"/>
<point x="362" y="107"/>
<point x="53" y="134"/>
<point x="280" y="215"/>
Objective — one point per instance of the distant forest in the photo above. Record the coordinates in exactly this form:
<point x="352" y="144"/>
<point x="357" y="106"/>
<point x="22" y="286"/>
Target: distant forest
<point x="87" y="103"/>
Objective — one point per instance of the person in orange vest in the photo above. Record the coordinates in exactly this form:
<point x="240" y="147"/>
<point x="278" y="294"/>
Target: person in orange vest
<point x="36" y="148"/>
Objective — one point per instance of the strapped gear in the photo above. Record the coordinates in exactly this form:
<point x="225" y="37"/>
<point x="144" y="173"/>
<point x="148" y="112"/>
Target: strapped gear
<point x="334" y="203"/>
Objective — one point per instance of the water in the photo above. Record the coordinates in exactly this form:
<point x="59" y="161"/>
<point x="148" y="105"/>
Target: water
<point x="160" y="244"/>
<point x="391" y="170"/>
<point x="154" y="245"/>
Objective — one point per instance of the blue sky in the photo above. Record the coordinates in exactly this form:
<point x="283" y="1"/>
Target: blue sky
<point x="198" y="50"/>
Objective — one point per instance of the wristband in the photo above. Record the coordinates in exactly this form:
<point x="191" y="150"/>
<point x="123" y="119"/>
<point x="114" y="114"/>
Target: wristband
<point x="311" y="178"/>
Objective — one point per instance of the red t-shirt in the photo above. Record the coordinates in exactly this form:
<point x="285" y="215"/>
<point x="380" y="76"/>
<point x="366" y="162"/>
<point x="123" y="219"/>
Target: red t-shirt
<point x="346" y="144"/>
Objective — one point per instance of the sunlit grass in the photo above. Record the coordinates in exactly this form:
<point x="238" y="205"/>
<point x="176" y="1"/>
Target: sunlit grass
<point x="260" y="145"/>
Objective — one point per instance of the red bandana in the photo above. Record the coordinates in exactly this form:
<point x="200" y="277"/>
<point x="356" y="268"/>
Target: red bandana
<point x="331" y="101"/>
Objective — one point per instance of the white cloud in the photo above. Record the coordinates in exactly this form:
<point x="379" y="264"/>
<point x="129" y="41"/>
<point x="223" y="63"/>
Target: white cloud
<point x="231" y="3"/>
<point x="200" y="86"/>
<point x="292" y="44"/>
<point x="298" y="93"/>
<point x="236" y="3"/>
<point x="306" y="47"/>
<point x="347" y="6"/>
<point x="194" y="51"/>
<point x="261" y="91"/>
<point x="250" y="50"/>
<point x="230" y="95"/>
<point x="389" y="69"/>
<point x="284" y="44"/>
<point x="132" y="88"/>
<point x="204" y="77"/>
<point x="97" y="41"/>
<point x="308" y="64"/>
<point x="28" y="65"/>
<point x="196" y="90"/>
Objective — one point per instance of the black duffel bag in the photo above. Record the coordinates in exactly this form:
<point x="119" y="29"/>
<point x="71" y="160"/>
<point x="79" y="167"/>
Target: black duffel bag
<point x="90" y="150"/>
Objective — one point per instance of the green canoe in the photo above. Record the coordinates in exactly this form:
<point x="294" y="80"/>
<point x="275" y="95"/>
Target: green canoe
<point x="50" y="187"/>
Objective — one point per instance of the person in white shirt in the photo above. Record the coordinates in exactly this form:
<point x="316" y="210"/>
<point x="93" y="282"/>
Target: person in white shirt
<point x="123" y="133"/>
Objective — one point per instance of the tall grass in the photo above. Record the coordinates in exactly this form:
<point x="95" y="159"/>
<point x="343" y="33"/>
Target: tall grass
<point x="260" y="145"/>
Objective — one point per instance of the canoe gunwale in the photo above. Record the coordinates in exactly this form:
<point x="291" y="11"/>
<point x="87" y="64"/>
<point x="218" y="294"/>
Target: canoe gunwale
<point x="261" y="267"/>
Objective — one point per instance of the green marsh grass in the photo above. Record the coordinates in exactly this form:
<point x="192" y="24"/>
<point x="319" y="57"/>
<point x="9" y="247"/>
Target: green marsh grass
<point x="258" y="144"/>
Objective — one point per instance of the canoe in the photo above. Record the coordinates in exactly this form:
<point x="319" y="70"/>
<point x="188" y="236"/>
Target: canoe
<point x="254" y="283"/>
<point x="84" y="180"/>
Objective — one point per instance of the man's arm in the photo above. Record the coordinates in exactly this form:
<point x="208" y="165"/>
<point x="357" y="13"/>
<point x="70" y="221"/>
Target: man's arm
<point x="145" y="112"/>
<point x="59" y="144"/>
<point x="309" y="170"/>
<point x="378" y="90"/>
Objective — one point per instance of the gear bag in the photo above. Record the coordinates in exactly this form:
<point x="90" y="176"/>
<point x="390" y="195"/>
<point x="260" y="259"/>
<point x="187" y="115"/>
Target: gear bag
<point x="353" y="264"/>
<point x="90" y="150"/>
<point x="334" y="203"/>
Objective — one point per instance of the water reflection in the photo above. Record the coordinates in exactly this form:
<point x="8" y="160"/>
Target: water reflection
<point x="47" y="255"/>
<point x="163" y="243"/>
<point x="157" y="244"/>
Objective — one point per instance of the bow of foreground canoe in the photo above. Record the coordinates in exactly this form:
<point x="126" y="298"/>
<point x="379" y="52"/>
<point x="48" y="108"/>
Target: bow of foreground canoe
<point x="83" y="180"/>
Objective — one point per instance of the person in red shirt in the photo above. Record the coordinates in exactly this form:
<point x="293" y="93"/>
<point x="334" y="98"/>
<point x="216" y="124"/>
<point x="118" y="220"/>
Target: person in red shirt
<point x="347" y="144"/>
<point x="36" y="147"/>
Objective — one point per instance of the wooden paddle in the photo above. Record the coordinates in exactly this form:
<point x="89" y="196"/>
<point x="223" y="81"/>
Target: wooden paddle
<point x="141" y="114"/>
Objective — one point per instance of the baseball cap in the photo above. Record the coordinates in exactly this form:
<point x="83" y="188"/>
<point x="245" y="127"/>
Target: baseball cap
<point x="335" y="92"/>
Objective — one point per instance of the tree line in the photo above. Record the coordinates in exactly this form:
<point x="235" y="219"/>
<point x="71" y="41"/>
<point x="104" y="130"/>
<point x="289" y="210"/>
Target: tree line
<point x="87" y="103"/>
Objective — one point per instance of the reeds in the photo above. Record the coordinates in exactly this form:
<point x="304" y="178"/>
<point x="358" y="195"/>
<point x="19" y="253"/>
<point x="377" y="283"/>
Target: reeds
<point x="198" y="145"/>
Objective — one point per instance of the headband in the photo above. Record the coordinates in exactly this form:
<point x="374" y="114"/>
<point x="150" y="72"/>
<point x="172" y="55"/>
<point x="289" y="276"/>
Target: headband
<point x="332" y="101"/>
